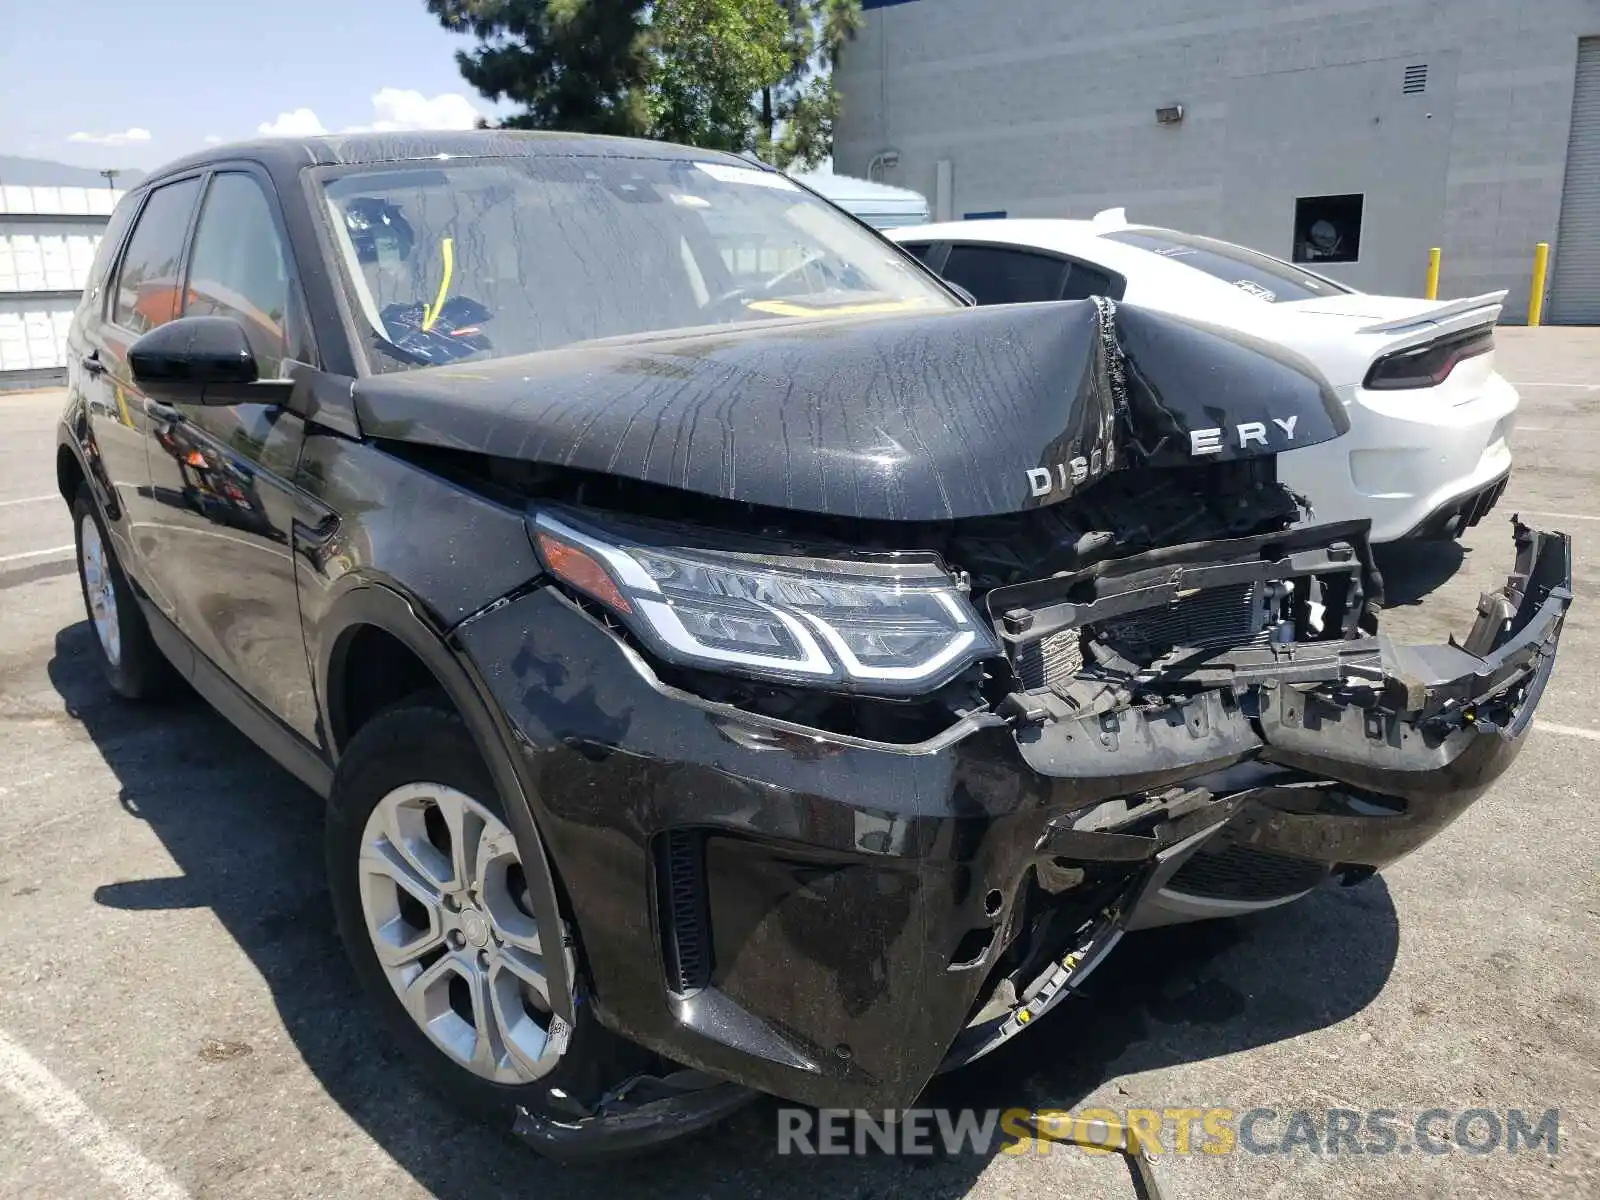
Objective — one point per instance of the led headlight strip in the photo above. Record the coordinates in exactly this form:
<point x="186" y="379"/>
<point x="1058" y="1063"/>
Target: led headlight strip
<point x="893" y="626"/>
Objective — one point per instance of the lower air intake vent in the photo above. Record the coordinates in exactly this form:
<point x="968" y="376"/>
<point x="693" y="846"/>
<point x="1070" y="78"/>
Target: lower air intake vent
<point x="1245" y="873"/>
<point x="685" y="920"/>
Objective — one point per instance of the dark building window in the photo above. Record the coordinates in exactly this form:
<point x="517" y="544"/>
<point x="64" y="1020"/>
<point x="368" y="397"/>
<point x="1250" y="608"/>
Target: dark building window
<point x="1327" y="229"/>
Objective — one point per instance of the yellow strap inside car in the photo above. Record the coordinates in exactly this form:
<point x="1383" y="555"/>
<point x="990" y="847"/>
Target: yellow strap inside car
<point x="430" y="315"/>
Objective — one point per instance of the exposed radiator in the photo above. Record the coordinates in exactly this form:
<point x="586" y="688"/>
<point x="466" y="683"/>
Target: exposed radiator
<point x="1050" y="661"/>
<point x="1213" y="619"/>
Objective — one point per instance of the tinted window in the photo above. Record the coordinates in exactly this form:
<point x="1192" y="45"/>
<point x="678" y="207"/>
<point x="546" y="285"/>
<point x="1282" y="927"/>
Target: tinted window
<point x="1261" y="275"/>
<point x="106" y="252"/>
<point x="997" y="275"/>
<point x="1085" y="281"/>
<point x="920" y="249"/>
<point x="147" y="286"/>
<point x="238" y="267"/>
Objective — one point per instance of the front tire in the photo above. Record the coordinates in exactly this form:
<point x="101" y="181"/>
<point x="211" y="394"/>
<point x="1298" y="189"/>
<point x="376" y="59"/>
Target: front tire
<point x="431" y="900"/>
<point x="133" y="664"/>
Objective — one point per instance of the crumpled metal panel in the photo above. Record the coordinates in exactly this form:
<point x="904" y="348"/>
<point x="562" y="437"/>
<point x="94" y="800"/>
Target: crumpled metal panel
<point x="971" y="412"/>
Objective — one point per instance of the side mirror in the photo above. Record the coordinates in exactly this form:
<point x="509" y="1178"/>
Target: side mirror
<point x="201" y="360"/>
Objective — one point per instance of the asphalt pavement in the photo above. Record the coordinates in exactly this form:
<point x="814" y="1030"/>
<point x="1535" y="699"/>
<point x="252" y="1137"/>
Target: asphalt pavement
<point x="177" y="1019"/>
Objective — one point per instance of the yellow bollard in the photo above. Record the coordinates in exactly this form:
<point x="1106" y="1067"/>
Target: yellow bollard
<point x="1433" y="274"/>
<point x="1541" y="263"/>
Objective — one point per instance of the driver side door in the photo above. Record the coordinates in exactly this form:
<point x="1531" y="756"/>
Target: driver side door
<point x="221" y="477"/>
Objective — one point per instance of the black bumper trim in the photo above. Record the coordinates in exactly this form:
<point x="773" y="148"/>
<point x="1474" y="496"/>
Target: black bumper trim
<point x="1460" y="513"/>
<point x="621" y="1126"/>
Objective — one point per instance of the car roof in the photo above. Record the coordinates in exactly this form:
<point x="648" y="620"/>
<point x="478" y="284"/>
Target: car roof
<point x="290" y="154"/>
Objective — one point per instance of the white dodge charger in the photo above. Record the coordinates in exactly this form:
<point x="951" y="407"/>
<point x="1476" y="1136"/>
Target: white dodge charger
<point x="1427" y="454"/>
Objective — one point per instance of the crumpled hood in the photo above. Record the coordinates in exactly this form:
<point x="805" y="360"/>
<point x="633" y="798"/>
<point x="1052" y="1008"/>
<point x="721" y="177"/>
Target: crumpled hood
<point x="969" y="412"/>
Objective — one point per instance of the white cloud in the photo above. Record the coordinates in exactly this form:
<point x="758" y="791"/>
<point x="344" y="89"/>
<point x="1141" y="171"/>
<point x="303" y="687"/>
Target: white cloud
<point x="398" y="108"/>
<point x="302" y="122"/>
<point x="135" y="134"/>
<point x="393" y="109"/>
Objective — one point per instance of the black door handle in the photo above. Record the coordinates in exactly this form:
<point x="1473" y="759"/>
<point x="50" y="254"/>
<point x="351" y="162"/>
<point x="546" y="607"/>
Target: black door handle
<point x="92" y="364"/>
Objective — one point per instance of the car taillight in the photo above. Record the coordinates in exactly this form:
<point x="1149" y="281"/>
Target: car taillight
<point x="1430" y="365"/>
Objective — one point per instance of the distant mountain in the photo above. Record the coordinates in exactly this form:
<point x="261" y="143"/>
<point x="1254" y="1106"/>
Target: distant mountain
<point x="41" y="172"/>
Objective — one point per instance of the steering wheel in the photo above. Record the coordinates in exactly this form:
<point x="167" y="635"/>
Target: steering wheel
<point x="737" y="296"/>
<point x="733" y="299"/>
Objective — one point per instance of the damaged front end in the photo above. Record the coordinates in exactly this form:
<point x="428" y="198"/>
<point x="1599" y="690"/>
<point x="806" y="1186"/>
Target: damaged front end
<point x="855" y="748"/>
<point x="1240" y="692"/>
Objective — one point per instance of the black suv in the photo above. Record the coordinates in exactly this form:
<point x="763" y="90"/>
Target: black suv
<point x="731" y="661"/>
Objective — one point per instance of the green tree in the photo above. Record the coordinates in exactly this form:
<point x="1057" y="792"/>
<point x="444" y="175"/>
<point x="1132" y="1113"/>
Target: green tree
<point x="727" y="74"/>
<point x="711" y="58"/>
<point x="799" y="111"/>
<point x="579" y="65"/>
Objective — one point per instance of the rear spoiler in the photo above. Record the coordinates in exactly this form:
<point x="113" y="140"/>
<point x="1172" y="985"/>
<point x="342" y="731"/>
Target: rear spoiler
<point x="1458" y="314"/>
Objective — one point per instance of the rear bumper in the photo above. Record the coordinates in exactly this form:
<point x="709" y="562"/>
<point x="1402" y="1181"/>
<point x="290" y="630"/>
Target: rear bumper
<point x="1407" y="457"/>
<point x="1460" y="513"/>
<point x="833" y="919"/>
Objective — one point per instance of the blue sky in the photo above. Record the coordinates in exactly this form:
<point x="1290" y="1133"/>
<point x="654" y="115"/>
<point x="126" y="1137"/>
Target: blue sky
<point x="124" y="83"/>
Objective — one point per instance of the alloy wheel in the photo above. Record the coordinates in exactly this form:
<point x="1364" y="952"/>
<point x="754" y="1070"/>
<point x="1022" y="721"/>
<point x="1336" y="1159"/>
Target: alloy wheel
<point x="447" y="910"/>
<point x="99" y="589"/>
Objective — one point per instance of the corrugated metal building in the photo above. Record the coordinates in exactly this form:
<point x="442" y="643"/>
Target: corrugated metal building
<point x="48" y="236"/>
<point x="1348" y="134"/>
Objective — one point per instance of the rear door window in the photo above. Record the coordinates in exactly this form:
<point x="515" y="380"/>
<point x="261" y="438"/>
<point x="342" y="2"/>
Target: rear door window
<point x="106" y="252"/>
<point x="1084" y="281"/>
<point x="1003" y="275"/>
<point x="147" y="284"/>
<point x="1260" y="275"/>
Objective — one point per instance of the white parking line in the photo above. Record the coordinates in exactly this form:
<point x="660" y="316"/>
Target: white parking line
<point x="5" y="558"/>
<point x="1537" y="512"/>
<point x="28" y="500"/>
<point x="54" y="1104"/>
<point x="1577" y="731"/>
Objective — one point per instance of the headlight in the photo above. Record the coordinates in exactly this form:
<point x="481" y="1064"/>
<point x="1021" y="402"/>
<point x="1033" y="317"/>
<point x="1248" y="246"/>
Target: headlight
<point x="894" y="626"/>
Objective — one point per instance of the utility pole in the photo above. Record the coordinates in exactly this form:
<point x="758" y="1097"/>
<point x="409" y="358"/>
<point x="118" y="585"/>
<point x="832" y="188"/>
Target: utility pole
<point x="110" y="176"/>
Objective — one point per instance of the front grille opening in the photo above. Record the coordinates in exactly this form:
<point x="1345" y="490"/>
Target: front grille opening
<point x="685" y="918"/>
<point x="1239" y="872"/>
<point x="1174" y="634"/>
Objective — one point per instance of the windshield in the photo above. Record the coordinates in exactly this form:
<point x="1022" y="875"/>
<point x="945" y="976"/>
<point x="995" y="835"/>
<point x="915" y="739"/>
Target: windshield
<point x="486" y="258"/>
<point x="1260" y="275"/>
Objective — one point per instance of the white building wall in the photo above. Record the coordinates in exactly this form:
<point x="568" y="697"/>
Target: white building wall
<point x="48" y="238"/>
<point x="1047" y="108"/>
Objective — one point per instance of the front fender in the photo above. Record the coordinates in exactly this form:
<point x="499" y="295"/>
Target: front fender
<point x="378" y="606"/>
